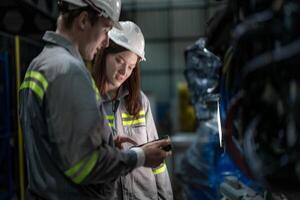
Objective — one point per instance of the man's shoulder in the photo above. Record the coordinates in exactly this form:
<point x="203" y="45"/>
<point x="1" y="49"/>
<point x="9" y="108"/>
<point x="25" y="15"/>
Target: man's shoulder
<point x="55" y="61"/>
<point x="59" y="56"/>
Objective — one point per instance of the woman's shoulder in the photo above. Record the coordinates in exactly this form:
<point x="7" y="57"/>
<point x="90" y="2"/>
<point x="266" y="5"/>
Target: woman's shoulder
<point x="144" y="96"/>
<point x="145" y="100"/>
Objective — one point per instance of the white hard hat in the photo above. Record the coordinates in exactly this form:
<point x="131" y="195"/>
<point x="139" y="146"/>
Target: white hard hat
<point x="111" y="8"/>
<point x="129" y="37"/>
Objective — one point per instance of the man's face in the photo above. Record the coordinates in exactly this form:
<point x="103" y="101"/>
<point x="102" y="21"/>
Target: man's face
<point x="95" y="37"/>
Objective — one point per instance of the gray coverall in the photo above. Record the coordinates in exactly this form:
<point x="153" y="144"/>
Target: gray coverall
<point x="69" y="148"/>
<point x="142" y="183"/>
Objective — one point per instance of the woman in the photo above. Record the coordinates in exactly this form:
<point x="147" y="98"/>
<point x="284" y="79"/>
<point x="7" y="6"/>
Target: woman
<point x="117" y="75"/>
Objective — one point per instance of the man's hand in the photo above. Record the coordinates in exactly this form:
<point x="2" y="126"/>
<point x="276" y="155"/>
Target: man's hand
<point x="119" y="140"/>
<point x="154" y="153"/>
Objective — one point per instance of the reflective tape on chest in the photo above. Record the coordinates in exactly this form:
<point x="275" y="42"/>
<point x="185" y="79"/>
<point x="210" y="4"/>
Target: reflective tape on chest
<point x="130" y="120"/>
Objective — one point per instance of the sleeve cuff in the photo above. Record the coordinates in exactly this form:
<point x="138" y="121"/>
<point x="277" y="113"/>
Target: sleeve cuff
<point x="140" y="156"/>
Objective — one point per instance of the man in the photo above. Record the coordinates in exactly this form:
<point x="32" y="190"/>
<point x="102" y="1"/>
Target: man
<point x="70" y="154"/>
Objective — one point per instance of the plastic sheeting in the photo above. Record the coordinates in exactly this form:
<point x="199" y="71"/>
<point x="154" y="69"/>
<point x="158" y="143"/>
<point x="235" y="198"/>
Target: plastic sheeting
<point x="204" y="165"/>
<point x="202" y="75"/>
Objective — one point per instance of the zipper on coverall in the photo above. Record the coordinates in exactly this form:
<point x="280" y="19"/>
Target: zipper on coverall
<point x="115" y="105"/>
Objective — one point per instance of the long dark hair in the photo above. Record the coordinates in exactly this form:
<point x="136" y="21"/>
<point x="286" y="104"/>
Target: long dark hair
<point x="132" y="84"/>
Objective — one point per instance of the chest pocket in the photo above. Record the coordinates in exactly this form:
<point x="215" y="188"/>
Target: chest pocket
<point x="135" y="126"/>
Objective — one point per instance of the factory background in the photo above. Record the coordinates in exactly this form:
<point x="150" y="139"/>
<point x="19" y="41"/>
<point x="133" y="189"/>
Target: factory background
<point x="170" y="27"/>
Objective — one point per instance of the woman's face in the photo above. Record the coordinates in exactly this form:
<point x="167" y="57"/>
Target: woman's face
<point x="119" y="67"/>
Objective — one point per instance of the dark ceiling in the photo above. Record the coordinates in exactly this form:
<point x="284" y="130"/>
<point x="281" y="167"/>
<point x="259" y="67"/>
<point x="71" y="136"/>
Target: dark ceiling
<point x="28" y="17"/>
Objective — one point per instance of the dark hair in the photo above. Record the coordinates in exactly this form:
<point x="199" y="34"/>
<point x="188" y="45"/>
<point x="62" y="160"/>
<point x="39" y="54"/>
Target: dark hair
<point x="69" y="15"/>
<point x="132" y="84"/>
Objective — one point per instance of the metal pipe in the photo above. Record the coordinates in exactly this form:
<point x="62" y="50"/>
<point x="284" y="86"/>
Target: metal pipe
<point x="20" y="136"/>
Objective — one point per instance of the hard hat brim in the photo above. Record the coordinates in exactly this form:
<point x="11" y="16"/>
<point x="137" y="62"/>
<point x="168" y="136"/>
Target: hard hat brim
<point x="126" y="46"/>
<point x="117" y="25"/>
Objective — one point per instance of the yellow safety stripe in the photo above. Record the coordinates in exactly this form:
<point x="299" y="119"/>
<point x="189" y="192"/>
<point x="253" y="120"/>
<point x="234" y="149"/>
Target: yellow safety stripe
<point x="125" y="115"/>
<point x="111" y="120"/>
<point x="34" y="87"/>
<point x="96" y="90"/>
<point x="160" y="169"/>
<point x="80" y="171"/>
<point x="110" y="117"/>
<point x="111" y="124"/>
<point x="37" y="76"/>
<point x="134" y="122"/>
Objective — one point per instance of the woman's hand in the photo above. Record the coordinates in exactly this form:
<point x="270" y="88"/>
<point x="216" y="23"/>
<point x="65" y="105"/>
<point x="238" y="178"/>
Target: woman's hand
<point x="119" y="140"/>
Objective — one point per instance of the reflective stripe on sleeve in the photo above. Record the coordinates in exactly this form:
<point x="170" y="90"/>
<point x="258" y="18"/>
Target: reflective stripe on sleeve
<point x="160" y="169"/>
<point x="39" y="77"/>
<point x="82" y="169"/>
<point x="34" y="87"/>
<point x="35" y="77"/>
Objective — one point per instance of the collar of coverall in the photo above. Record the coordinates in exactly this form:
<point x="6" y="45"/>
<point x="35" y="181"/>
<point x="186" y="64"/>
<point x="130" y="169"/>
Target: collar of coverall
<point x="121" y="94"/>
<point x="57" y="39"/>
